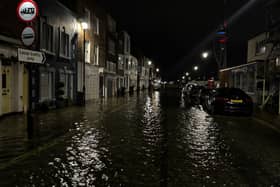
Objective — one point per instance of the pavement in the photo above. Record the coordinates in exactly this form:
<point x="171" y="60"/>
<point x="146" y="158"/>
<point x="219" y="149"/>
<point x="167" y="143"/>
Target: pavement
<point x="266" y="118"/>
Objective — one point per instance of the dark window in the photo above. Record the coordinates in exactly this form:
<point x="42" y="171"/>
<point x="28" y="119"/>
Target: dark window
<point x="47" y="37"/>
<point x="4" y="81"/>
<point x="64" y="44"/>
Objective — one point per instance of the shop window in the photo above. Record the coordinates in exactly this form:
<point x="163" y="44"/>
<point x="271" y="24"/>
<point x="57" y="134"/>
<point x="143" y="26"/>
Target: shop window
<point x="46" y="86"/>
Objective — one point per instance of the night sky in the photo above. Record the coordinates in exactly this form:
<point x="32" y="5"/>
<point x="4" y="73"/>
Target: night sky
<point x="174" y="33"/>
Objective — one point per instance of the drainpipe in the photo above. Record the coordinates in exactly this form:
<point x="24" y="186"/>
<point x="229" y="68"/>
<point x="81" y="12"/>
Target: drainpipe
<point x="264" y="82"/>
<point x="279" y="98"/>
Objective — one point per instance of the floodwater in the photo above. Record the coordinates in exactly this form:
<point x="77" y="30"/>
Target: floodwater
<point x="142" y="140"/>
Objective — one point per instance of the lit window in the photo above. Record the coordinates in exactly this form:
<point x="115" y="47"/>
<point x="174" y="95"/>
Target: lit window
<point x="277" y="61"/>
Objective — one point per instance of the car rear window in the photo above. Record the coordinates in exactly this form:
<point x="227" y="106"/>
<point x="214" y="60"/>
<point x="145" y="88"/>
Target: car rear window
<point x="230" y="91"/>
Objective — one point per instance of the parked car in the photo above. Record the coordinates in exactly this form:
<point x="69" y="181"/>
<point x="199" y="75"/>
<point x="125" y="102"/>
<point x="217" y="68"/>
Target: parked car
<point x="228" y="100"/>
<point x="195" y="94"/>
<point x="187" y="88"/>
<point x="157" y="85"/>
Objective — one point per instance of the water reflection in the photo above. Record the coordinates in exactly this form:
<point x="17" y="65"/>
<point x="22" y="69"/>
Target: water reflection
<point x="198" y="139"/>
<point x="82" y="159"/>
<point x="201" y="137"/>
<point x="147" y="140"/>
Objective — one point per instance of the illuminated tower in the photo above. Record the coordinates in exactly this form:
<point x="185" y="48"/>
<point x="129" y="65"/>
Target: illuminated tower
<point x="220" y="43"/>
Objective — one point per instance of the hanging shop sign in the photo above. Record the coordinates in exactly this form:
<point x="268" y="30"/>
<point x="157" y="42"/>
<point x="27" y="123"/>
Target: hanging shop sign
<point x="27" y="10"/>
<point x="28" y="36"/>
<point x="25" y="55"/>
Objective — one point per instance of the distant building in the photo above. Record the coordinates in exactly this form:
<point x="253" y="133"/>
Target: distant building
<point x="124" y="50"/>
<point x="133" y="72"/>
<point x="128" y="62"/>
<point x="110" y="69"/>
<point x="146" y="72"/>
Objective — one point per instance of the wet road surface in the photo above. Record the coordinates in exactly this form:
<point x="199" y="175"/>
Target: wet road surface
<point x="145" y="140"/>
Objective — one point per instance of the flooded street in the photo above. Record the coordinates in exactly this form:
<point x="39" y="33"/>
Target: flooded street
<point x="143" y="140"/>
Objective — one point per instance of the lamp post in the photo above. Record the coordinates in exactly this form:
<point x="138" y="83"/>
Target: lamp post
<point x="84" y="27"/>
<point x="150" y="75"/>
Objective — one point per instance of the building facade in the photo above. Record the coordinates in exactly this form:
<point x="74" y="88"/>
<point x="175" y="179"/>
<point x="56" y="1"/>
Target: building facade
<point x="145" y="73"/>
<point x="91" y="63"/>
<point x="90" y="42"/>
<point x="124" y="50"/>
<point x="59" y="31"/>
<point x="109" y="71"/>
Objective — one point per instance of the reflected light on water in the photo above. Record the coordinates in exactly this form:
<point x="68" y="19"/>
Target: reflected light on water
<point x="151" y="119"/>
<point x="83" y="159"/>
<point x="201" y="135"/>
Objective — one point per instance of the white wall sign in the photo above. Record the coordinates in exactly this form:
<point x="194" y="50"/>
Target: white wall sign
<point x="30" y="56"/>
<point x="27" y="10"/>
<point x="28" y="36"/>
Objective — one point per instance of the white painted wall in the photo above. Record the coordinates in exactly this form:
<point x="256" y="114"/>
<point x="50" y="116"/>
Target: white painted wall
<point x="92" y="82"/>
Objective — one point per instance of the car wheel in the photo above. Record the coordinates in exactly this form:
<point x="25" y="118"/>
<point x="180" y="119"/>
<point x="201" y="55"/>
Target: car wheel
<point x="211" y="106"/>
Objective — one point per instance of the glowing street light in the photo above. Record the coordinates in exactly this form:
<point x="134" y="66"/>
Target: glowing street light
<point x="157" y="70"/>
<point x="195" y="68"/>
<point x="84" y="25"/>
<point x="183" y="77"/>
<point x="149" y="63"/>
<point x="187" y="74"/>
<point x="205" y="55"/>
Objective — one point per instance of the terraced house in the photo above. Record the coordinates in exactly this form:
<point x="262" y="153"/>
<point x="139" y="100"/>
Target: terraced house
<point x="77" y="41"/>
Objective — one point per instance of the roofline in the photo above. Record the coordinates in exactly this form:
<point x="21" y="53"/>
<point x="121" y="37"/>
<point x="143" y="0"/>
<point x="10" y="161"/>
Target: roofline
<point x="10" y="40"/>
<point x="236" y="67"/>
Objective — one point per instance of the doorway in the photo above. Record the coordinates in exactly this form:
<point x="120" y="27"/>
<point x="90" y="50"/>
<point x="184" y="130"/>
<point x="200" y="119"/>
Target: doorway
<point x="6" y="89"/>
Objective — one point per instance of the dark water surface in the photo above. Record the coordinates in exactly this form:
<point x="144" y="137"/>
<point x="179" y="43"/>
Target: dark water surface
<point x="145" y="140"/>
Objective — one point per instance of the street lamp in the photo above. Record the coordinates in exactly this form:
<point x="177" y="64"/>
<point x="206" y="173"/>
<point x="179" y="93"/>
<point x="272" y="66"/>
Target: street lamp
<point x="205" y="55"/>
<point x="195" y="68"/>
<point x="157" y="70"/>
<point x="183" y="77"/>
<point x="149" y="63"/>
<point x="187" y="74"/>
<point x="84" y="27"/>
